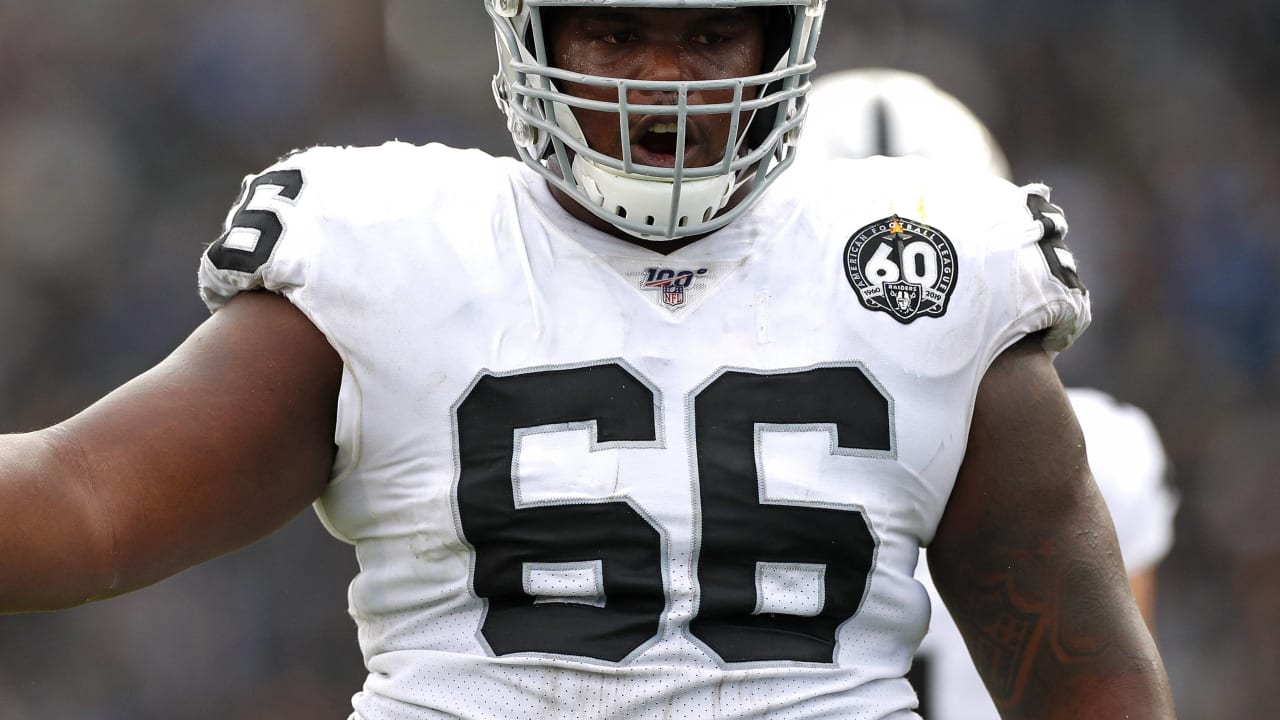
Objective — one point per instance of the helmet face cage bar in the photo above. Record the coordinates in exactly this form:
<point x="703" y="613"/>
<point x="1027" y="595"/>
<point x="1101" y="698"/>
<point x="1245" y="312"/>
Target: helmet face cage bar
<point x="651" y="202"/>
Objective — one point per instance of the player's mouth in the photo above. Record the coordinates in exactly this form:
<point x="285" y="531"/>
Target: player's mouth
<point x="655" y="142"/>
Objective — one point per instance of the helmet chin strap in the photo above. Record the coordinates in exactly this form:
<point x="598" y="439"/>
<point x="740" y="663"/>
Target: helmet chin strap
<point x="665" y="204"/>
<point x="650" y="200"/>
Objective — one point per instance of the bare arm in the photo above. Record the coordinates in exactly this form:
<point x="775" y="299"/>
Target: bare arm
<point x="1026" y="560"/>
<point x="221" y="443"/>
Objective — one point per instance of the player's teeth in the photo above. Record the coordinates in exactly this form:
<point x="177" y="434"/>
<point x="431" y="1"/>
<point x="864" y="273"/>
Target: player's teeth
<point x="664" y="128"/>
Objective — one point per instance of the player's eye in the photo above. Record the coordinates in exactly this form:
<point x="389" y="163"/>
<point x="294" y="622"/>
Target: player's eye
<point x="618" y="38"/>
<point x="711" y="38"/>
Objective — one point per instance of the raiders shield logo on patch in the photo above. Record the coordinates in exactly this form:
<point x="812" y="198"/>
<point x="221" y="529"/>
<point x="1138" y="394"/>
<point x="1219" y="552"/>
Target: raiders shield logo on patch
<point x="901" y="267"/>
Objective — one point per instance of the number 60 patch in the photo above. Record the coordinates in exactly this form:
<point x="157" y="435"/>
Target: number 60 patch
<point x="901" y="267"/>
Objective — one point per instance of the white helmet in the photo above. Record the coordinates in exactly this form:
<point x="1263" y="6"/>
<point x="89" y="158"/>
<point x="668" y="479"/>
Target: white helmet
<point x="877" y="111"/>
<point x="650" y="202"/>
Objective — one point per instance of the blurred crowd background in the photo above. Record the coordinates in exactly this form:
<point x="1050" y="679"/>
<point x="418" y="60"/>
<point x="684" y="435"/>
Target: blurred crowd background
<point x="125" y="128"/>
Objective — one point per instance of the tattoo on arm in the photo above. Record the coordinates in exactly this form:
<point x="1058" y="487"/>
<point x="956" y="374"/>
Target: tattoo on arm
<point x="1010" y="629"/>
<point x="1044" y="616"/>
<point x="1014" y="629"/>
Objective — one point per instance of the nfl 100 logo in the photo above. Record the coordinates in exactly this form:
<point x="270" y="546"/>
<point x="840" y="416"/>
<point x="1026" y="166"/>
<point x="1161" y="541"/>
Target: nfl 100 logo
<point x="901" y="267"/>
<point x="673" y="284"/>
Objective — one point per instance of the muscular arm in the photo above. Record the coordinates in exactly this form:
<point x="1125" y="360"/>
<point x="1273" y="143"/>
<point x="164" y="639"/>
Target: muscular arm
<point x="221" y="443"/>
<point x="1027" y="562"/>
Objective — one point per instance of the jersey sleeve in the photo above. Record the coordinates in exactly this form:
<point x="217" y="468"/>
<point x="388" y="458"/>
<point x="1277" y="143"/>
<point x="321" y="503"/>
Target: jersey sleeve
<point x="266" y="238"/>
<point x="1048" y="278"/>
<point x="1026" y="280"/>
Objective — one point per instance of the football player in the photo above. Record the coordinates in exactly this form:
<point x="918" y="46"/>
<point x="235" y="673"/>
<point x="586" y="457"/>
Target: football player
<point x="906" y="114"/>
<point x="638" y="425"/>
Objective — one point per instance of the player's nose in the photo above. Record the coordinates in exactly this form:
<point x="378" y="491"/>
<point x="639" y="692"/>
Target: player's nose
<point x="667" y="63"/>
<point x="663" y="62"/>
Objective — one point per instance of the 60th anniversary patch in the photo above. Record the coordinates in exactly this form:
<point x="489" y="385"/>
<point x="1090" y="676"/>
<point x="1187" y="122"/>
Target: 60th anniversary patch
<point x="902" y="267"/>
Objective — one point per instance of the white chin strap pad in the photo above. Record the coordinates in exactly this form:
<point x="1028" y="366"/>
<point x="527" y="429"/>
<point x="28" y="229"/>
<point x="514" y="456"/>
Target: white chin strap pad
<point x="648" y="201"/>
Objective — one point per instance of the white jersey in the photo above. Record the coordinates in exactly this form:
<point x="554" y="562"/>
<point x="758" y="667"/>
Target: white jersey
<point x="1130" y="466"/>
<point x="587" y="480"/>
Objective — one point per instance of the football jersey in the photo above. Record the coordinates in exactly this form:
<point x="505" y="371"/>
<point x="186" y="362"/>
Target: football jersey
<point x="1129" y="464"/>
<point x="587" y="480"/>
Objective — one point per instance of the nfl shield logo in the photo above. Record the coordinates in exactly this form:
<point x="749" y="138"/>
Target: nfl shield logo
<point x="671" y="284"/>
